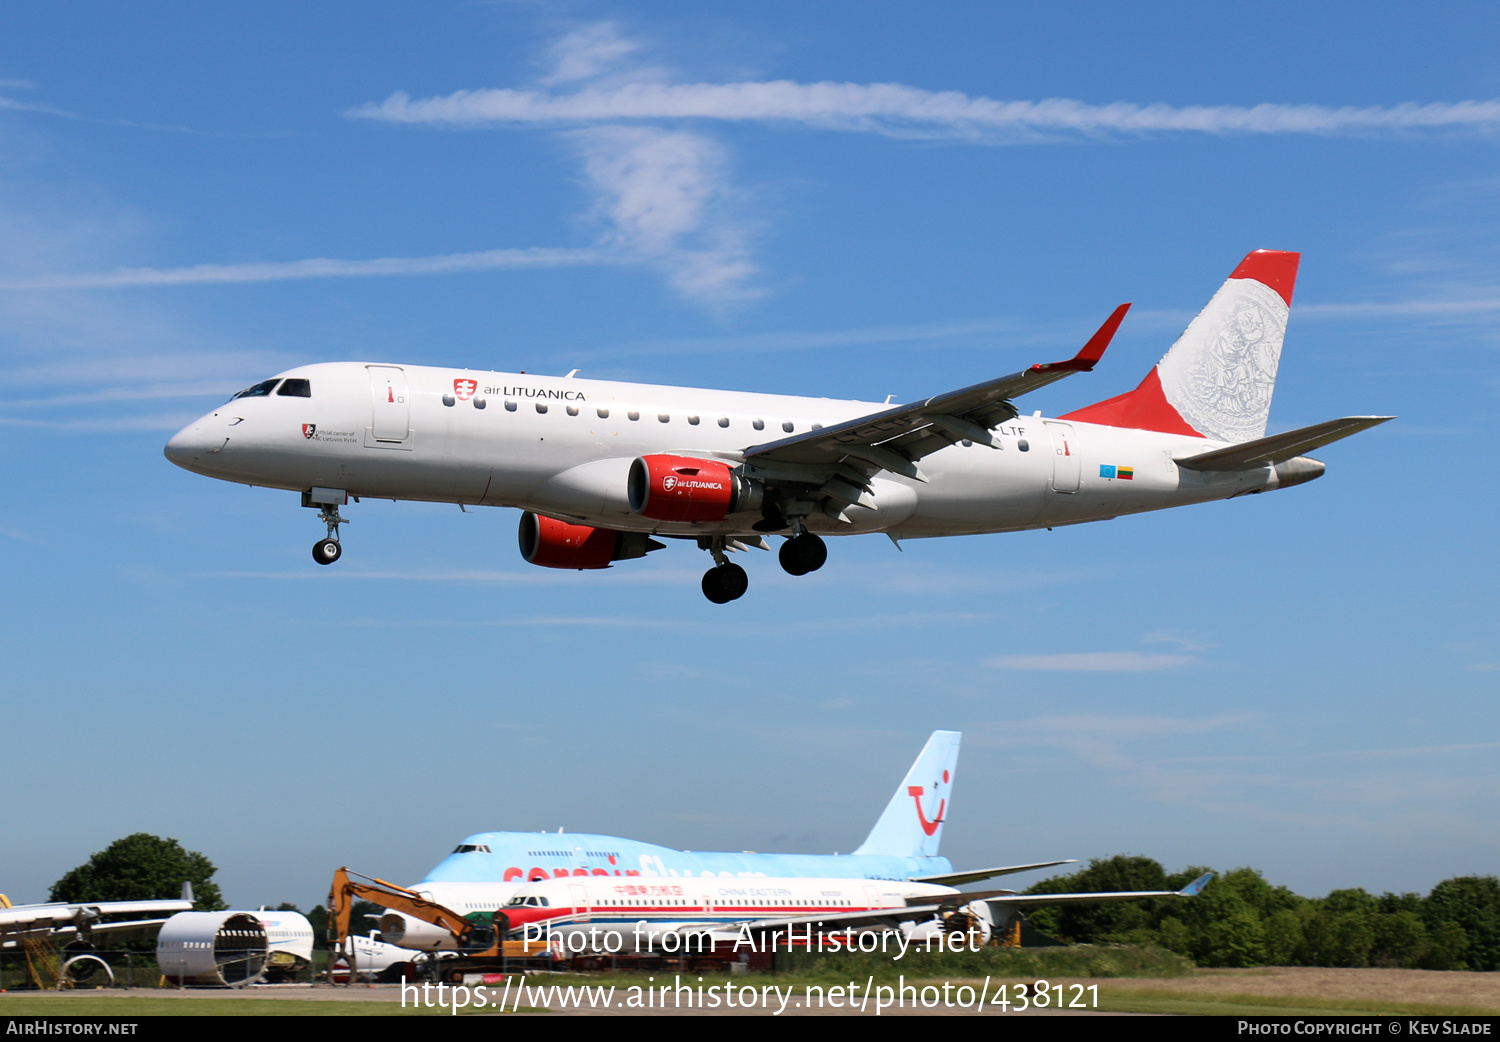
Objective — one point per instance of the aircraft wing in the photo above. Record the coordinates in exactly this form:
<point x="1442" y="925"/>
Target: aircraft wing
<point x="1279" y="448"/>
<point x="39" y="916"/>
<point x="134" y="930"/>
<point x="890" y="917"/>
<point x="895" y="438"/>
<point x="960" y="878"/>
<point x="1012" y="899"/>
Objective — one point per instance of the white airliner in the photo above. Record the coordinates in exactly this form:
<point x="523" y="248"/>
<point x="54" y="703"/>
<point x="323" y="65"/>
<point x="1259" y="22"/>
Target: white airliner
<point x="488" y="868"/>
<point x="600" y="468"/>
<point x="696" y="892"/>
<point x="595" y="914"/>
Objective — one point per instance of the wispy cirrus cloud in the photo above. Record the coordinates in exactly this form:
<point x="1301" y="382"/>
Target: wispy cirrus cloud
<point x="319" y="268"/>
<point x="1092" y="662"/>
<point x="662" y="198"/>
<point x="904" y="111"/>
<point x="588" y="53"/>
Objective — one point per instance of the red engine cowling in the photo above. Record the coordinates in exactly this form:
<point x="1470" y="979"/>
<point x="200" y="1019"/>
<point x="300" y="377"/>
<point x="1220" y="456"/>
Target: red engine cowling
<point x="551" y="543"/>
<point x="557" y="544"/>
<point x="684" y="488"/>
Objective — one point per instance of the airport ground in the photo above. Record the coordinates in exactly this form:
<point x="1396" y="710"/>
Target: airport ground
<point x="1267" y="991"/>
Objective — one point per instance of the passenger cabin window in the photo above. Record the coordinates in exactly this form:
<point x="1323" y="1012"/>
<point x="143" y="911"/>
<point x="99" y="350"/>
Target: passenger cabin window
<point x="759" y="425"/>
<point x="541" y="407"/>
<point x="510" y="405"/>
<point x="663" y="417"/>
<point x="693" y="421"/>
<point x="723" y="421"/>
<point x="260" y="390"/>
<point x="633" y="414"/>
<point x="788" y="427"/>
<point x="572" y="410"/>
<point x="603" y="413"/>
<point x="296" y="388"/>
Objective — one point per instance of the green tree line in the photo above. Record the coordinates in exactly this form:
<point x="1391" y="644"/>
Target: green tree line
<point x="1242" y="920"/>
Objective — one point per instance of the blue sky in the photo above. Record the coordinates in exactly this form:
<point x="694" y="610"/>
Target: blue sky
<point x="840" y="201"/>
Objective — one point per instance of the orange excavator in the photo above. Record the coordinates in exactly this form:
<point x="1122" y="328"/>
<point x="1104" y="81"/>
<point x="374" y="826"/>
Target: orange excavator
<point x="480" y="938"/>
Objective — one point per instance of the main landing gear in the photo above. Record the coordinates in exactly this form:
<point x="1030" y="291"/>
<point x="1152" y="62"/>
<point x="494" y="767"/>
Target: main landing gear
<point x="724" y="582"/>
<point x="326" y="551"/>
<point x="803" y="553"/>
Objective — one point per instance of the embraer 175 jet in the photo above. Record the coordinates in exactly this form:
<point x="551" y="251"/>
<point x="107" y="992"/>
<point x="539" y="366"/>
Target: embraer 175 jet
<point x="600" y="468"/>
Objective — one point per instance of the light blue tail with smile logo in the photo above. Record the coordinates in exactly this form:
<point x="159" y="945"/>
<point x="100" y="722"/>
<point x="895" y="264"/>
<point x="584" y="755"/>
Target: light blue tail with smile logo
<point x="912" y="825"/>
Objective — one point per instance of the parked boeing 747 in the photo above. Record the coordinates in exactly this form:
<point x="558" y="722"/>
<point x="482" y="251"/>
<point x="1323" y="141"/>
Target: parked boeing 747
<point x="488" y="869"/>
<point x="601" y="469"/>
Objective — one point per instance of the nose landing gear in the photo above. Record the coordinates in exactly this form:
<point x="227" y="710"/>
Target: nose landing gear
<point x="326" y="551"/>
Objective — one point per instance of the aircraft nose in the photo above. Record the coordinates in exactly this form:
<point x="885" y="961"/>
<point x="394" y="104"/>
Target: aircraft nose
<point x="189" y="447"/>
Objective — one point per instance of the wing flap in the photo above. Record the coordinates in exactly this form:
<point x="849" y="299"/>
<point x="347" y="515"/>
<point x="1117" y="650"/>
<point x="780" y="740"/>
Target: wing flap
<point x="963" y="878"/>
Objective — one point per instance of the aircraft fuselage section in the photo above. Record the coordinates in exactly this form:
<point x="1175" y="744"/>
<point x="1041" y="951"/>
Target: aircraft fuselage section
<point x="563" y="447"/>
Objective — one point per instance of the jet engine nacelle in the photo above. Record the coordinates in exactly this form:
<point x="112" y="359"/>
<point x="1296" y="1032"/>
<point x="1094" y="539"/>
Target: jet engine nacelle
<point x="406" y="932"/>
<point x="550" y="543"/>
<point x="976" y="919"/>
<point x="214" y="949"/>
<point x="685" y="488"/>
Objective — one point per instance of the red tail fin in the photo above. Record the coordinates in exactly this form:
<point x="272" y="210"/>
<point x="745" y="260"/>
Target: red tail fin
<point x="1217" y="379"/>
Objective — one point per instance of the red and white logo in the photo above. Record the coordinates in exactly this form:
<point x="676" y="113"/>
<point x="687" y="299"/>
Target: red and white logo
<point x="915" y="792"/>
<point x="669" y="482"/>
<point x="463" y="390"/>
<point x="309" y="429"/>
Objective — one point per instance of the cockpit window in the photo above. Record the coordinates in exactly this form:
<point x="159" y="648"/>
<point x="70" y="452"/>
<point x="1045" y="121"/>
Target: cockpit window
<point x="296" y="388"/>
<point x="471" y="848"/>
<point x="260" y="390"/>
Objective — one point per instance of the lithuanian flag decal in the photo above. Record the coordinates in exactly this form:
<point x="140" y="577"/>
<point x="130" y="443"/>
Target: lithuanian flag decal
<point x="1127" y="474"/>
<point x="1123" y="473"/>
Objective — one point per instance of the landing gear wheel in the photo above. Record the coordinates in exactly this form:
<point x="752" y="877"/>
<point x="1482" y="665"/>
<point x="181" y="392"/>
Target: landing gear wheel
<point x="727" y="582"/>
<point x="326" y="551"/>
<point x="806" y="553"/>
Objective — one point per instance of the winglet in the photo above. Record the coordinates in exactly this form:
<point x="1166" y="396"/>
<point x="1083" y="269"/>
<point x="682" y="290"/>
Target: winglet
<point x="1092" y="351"/>
<point x="1195" y="888"/>
<point x="187" y="891"/>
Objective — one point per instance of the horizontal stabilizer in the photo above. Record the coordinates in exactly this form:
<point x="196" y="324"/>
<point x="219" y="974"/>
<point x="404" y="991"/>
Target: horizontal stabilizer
<point x="963" y="878"/>
<point x="1278" y="448"/>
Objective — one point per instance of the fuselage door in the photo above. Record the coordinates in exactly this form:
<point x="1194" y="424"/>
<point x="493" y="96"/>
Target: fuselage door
<point x="580" y="896"/>
<point x="1066" y="463"/>
<point x="391" y="402"/>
